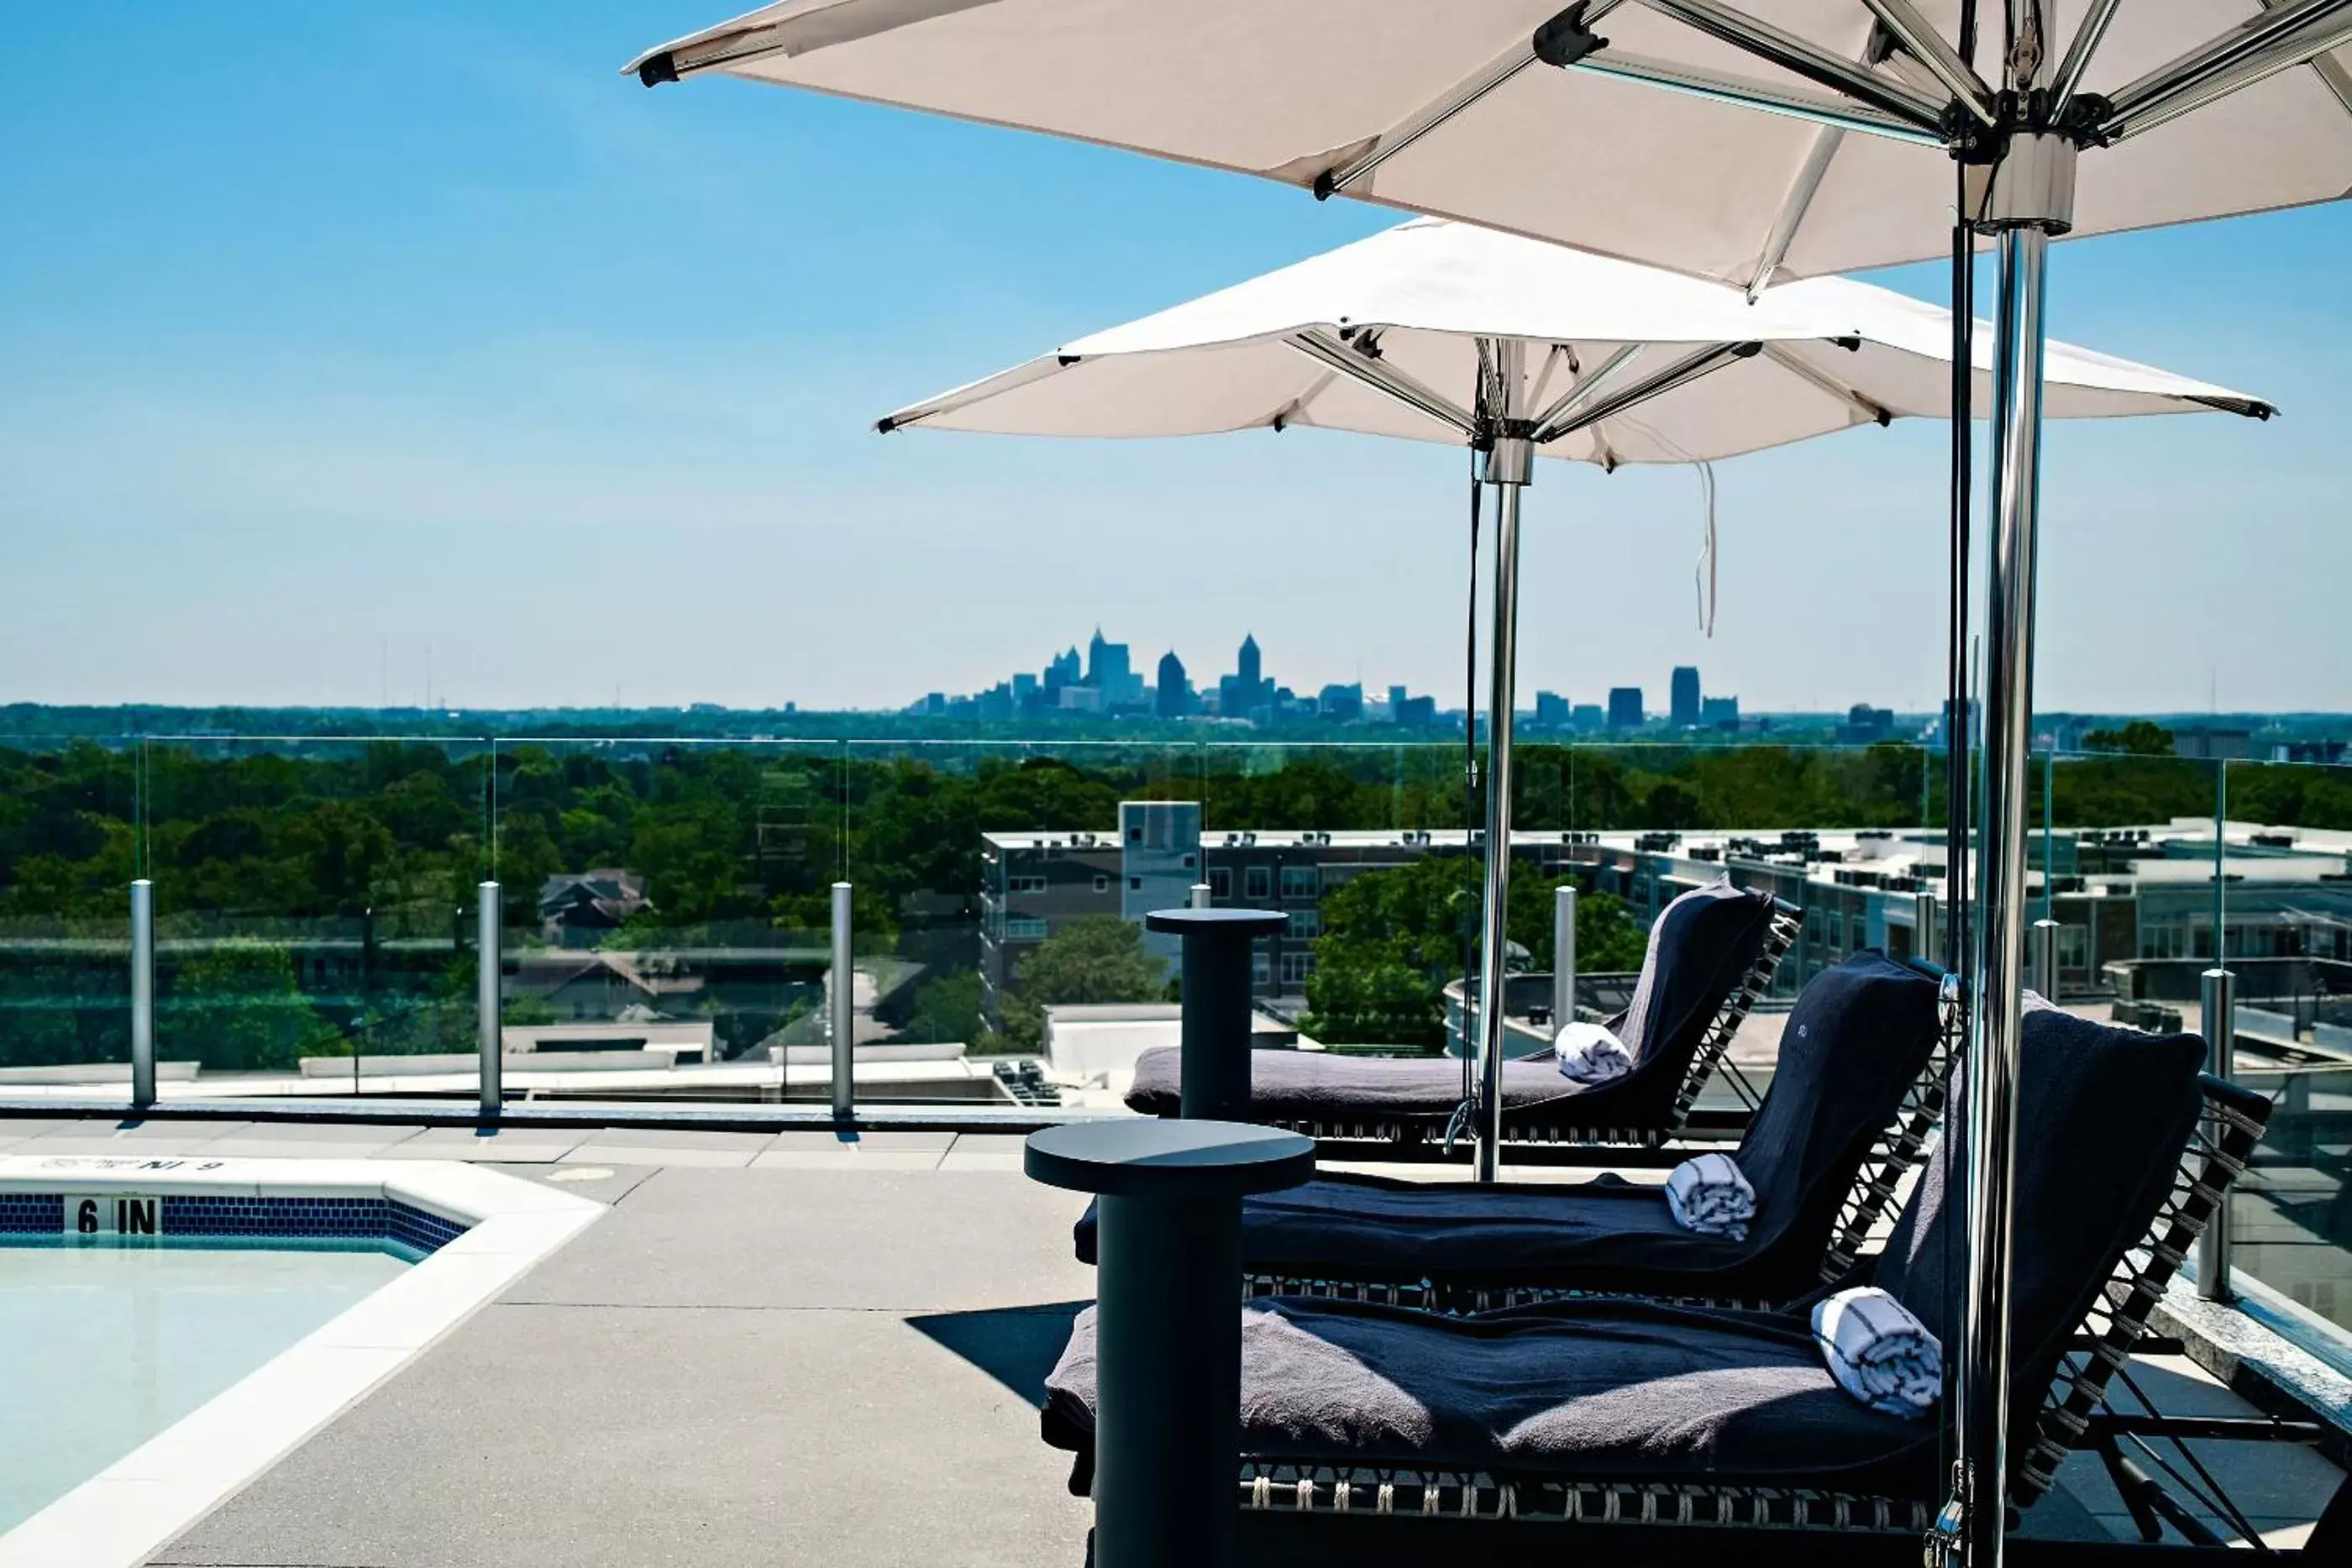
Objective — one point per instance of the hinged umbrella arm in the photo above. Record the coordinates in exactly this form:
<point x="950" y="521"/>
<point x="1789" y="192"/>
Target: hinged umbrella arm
<point x="1324" y="349"/>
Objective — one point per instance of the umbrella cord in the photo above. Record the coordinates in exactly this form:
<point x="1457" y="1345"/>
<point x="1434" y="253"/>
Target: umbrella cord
<point x="1460" y="1120"/>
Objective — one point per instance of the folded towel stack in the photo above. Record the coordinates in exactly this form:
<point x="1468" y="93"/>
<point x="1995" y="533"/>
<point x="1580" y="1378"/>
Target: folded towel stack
<point x="1878" y="1351"/>
<point x="1590" y="1055"/>
<point x="1710" y="1194"/>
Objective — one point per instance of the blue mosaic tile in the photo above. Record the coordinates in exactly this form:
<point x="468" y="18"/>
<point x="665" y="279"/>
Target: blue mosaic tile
<point x="258" y="1218"/>
<point x="34" y="1213"/>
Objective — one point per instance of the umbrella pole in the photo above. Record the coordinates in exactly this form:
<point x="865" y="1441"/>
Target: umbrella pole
<point x="1956" y="727"/>
<point x="1508" y="462"/>
<point x="2022" y="186"/>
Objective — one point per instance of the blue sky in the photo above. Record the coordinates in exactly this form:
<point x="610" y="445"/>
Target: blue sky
<point x="335" y="333"/>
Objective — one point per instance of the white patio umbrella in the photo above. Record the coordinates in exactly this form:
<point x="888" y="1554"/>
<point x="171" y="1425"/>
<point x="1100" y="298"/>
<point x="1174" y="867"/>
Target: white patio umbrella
<point x="1442" y="331"/>
<point x="2061" y="116"/>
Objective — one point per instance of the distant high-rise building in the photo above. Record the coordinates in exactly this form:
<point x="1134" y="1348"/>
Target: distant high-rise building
<point x="1588" y="716"/>
<point x="1417" y="712"/>
<point x="1342" y="705"/>
<point x="1246" y="690"/>
<point x="1396" y="705"/>
<point x="1174" y="696"/>
<point x="1719" y="713"/>
<point x="1109" y="672"/>
<point x="1246" y="669"/>
<point x="1683" y="704"/>
<point x="1061" y="671"/>
<point x="1865" y="725"/>
<point x="1551" y="711"/>
<point x="1025" y="692"/>
<point x="1624" y="708"/>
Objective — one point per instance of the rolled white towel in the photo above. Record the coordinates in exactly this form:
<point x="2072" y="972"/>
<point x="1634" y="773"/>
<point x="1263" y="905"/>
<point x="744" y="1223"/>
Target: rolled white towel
<point x="1710" y="1194"/>
<point x="1590" y="1055"/>
<point x="1878" y="1351"/>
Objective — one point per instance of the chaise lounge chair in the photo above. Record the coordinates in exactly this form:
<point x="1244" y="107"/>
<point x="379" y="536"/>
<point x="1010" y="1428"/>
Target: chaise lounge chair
<point x="1711" y="956"/>
<point x="1859" y="1087"/>
<point x="1676" y="1422"/>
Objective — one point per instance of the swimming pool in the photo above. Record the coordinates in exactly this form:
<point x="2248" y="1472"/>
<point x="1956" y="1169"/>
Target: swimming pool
<point x="169" y="1328"/>
<point x="105" y="1345"/>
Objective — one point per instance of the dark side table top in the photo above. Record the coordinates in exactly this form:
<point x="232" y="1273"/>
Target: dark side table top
<point x="1216" y="921"/>
<point x="1155" y="1158"/>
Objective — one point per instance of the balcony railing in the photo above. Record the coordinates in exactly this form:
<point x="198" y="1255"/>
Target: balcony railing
<point x="666" y="929"/>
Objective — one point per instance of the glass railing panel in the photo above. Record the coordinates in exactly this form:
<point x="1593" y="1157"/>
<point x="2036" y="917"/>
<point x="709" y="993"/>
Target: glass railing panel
<point x="314" y="905"/>
<point x="68" y="849"/>
<point x="998" y="880"/>
<point x="667" y="909"/>
<point x="2286" y="922"/>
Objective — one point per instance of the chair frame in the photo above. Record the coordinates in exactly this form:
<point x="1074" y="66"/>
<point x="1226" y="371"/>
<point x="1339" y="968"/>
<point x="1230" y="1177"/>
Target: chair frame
<point x="2117" y="1321"/>
<point x="1898" y="1150"/>
<point x="1391" y="1137"/>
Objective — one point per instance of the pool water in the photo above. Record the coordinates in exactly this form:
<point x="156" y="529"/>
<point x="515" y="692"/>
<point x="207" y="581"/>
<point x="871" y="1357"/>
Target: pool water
<point x="103" y="1347"/>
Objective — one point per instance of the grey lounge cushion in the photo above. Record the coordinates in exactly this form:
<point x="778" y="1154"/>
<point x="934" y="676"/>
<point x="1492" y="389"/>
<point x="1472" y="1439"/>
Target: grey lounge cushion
<point x="1701" y="947"/>
<point x="1859" y="1036"/>
<point x="1598" y="1389"/>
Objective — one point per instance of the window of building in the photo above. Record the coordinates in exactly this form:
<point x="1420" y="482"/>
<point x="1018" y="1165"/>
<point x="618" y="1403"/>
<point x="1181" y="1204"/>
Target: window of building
<point x="1300" y="882"/>
<point x="1024" y="930"/>
<point x="1305" y="923"/>
<point x="1135" y="835"/>
<point x="1221" y="883"/>
<point x="1025" y="885"/>
<point x="1135" y="885"/>
<point x="1102" y="882"/>
<point x="1257" y="881"/>
<point x="1261" y="967"/>
<point x="1296" y="967"/>
<point x="1860" y="927"/>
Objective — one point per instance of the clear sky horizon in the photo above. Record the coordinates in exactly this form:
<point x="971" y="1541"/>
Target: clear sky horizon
<point x="338" y="333"/>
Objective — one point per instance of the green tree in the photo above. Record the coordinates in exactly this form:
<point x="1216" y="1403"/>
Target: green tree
<point x="2140" y="737"/>
<point x="240" y="1004"/>
<point x="947" y="1009"/>
<point x="1393" y="939"/>
<point x="1097" y="959"/>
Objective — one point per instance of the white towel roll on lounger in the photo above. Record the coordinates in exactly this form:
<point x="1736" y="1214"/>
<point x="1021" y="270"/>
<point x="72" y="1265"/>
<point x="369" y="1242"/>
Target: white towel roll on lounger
<point x="1878" y="1351"/>
<point x="1710" y="1194"/>
<point x="1590" y="1055"/>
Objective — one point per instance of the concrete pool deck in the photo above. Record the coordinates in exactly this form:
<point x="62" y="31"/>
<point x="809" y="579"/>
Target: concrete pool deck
<point x="776" y="1348"/>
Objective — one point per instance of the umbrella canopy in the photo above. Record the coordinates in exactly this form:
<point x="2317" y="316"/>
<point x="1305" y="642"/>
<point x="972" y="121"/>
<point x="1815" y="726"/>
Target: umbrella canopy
<point x="1296" y="346"/>
<point x="1525" y="116"/>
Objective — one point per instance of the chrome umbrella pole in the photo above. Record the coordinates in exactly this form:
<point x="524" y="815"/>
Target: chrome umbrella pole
<point x="1509" y="463"/>
<point x="2029" y="197"/>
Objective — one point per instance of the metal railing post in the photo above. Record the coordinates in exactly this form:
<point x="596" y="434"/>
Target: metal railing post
<point x="1201" y="895"/>
<point x="2045" y="959"/>
<point x="1923" y="925"/>
<point x="1563" y="957"/>
<point x="488" y="996"/>
<point x="142" y="994"/>
<point x="2219" y="994"/>
<point x="842" y="1003"/>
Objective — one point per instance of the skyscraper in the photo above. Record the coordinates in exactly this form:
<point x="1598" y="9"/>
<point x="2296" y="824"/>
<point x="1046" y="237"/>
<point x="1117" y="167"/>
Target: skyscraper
<point x="1110" y="673"/>
<point x="1624" y="708"/>
<point x="1683" y="707"/>
<point x="1174" y="696"/>
<point x="1248" y="671"/>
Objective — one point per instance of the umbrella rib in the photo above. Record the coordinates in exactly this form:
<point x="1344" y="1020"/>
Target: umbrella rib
<point x="2324" y="67"/>
<point x="2251" y="44"/>
<point x="1581" y="393"/>
<point x="1843" y="115"/>
<point x="2087" y="37"/>
<point x="1681" y="374"/>
<point x="1322" y="348"/>
<point x="1928" y="47"/>
<point x="1780" y="355"/>
<point x="2245" y="72"/>
<point x="1827" y="139"/>
<point x="1801" y="57"/>
<point x="1429" y="117"/>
